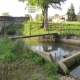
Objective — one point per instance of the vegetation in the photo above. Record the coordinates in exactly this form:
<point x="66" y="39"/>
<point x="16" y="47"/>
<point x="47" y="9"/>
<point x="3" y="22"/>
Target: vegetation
<point x="5" y="14"/>
<point x="67" y="28"/>
<point x="39" y="17"/>
<point x="27" y="15"/>
<point x="78" y="16"/>
<point x="16" y="28"/>
<point x="17" y="62"/>
<point x="44" y="5"/>
<point x="32" y="27"/>
<point x="71" y="13"/>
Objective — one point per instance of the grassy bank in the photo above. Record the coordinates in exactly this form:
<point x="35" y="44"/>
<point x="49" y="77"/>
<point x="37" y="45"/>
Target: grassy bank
<point x="32" y="27"/>
<point x="17" y="62"/>
<point x="65" y="28"/>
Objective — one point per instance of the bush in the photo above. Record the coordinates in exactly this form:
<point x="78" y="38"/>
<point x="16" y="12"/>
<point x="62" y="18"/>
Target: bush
<point x="14" y="28"/>
<point x="33" y="26"/>
<point x="11" y="51"/>
<point x="5" y="49"/>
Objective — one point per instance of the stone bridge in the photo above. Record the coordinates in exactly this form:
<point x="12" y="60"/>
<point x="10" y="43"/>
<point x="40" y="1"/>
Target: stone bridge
<point x="7" y="20"/>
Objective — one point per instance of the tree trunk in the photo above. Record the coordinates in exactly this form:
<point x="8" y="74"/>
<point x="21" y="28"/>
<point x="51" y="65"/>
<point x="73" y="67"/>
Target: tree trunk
<point x="45" y="18"/>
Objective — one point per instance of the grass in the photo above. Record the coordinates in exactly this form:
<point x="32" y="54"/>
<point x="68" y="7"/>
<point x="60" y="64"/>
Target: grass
<point x="14" y="28"/>
<point x="65" y="28"/>
<point x="17" y="62"/>
<point x="32" y="27"/>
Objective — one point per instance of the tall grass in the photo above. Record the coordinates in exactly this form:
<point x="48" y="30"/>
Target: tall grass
<point x="17" y="62"/>
<point x="65" y="28"/>
<point x="60" y="28"/>
<point x="32" y="28"/>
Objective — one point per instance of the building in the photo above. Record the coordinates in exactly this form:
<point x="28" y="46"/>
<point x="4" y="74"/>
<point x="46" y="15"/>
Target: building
<point x="61" y="18"/>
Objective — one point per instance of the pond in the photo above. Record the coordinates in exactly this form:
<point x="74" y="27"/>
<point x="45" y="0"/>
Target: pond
<point x="55" y="48"/>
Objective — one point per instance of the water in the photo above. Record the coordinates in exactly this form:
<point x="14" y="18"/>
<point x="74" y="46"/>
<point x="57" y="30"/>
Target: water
<point x="59" y="49"/>
<point x="76" y="71"/>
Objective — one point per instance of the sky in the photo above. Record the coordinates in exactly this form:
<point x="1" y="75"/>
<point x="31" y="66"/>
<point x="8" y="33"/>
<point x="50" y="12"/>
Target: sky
<point x="16" y="8"/>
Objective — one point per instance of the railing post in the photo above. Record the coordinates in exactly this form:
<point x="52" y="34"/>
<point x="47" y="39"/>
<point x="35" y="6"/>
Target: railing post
<point x="55" y="57"/>
<point x="48" y="28"/>
<point x="30" y="25"/>
<point x="60" y="28"/>
<point x="4" y="28"/>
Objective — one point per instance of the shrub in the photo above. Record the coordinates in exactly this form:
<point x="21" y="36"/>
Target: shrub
<point x="5" y="49"/>
<point x="11" y="51"/>
<point x="14" y="28"/>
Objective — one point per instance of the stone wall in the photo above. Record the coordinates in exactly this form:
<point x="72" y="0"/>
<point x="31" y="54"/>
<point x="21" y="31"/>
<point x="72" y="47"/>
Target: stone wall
<point x="2" y="25"/>
<point x="13" y="19"/>
<point x="65" y="64"/>
<point x="70" y="39"/>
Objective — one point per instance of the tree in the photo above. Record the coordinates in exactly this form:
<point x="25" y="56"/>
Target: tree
<point x="50" y="19"/>
<point x="5" y="14"/>
<point x="56" y="15"/>
<point x="78" y="16"/>
<point x="27" y="15"/>
<point x="39" y="17"/>
<point x="71" y="13"/>
<point x="44" y="5"/>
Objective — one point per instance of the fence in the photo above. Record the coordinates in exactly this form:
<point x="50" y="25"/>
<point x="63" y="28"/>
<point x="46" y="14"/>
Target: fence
<point x="33" y="28"/>
<point x="60" y="28"/>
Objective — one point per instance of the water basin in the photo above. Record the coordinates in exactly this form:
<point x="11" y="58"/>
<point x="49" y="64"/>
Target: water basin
<point x="57" y="50"/>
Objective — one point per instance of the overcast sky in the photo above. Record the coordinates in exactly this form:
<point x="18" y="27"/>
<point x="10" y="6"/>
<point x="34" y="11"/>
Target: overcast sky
<point x="15" y="8"/>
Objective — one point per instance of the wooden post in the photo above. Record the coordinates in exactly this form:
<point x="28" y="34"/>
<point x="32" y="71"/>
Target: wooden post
<point x="4" y="28"/>
<point x="55" y="57"/>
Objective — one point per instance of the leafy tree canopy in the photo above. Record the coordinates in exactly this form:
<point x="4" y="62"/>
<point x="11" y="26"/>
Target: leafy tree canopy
<point x="26" y="15"/>
<point x="5" y="14"/>
<point x="71" y="13"/>
<point x="39" y="17"/>
<point x="78" y="16"/>
<point x="44" y="4"/>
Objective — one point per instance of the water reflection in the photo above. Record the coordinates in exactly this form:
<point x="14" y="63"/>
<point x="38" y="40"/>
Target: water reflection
<point x="76" y="72"/>
<point x="59" y="48"/>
